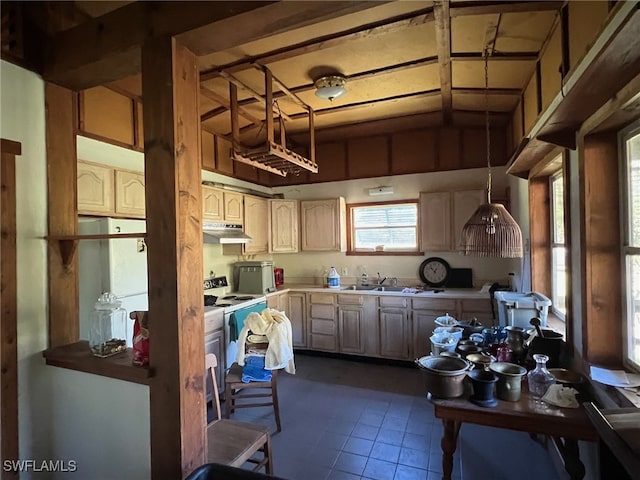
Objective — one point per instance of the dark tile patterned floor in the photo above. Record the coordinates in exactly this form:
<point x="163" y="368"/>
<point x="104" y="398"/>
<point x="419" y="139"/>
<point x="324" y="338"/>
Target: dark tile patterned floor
<point x="344" y="420"/>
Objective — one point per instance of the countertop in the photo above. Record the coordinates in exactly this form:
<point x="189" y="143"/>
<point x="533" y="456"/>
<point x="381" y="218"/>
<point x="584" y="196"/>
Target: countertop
<point x="471" y="293"/>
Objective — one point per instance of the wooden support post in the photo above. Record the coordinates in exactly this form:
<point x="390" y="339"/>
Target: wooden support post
<point x="170" y="85"/>
<point x="8" y="305"/>
<point x="62" y="163"/>
<point x="600" y="246"/>
<point x="539" y="222"/>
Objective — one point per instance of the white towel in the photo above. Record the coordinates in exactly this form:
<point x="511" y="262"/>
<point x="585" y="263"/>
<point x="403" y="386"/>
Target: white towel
<point x="277" y="328"/>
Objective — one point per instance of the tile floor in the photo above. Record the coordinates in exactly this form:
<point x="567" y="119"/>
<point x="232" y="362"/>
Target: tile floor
<point x="344" y="419"/>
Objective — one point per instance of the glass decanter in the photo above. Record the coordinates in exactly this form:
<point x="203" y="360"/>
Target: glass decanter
<point x="540" y="379"/>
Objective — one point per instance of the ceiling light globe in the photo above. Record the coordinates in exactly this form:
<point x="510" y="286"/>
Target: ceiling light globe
<point x="330" y="87"/>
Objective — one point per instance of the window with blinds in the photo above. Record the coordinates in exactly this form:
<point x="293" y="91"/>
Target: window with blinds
<point x="384" y="227"/>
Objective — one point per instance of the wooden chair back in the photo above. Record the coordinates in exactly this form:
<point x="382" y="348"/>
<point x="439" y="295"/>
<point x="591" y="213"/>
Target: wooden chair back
<point x="211" y="362"/>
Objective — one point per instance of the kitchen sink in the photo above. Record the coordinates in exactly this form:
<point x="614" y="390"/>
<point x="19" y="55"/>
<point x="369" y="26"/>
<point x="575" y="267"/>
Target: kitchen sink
<point x="385" y="288"/>
<point x="375" y="288"/>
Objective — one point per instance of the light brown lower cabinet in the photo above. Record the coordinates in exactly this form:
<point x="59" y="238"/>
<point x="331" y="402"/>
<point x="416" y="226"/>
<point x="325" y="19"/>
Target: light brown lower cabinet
<point x="214" y="343"/>
<point x="395" y="329"/>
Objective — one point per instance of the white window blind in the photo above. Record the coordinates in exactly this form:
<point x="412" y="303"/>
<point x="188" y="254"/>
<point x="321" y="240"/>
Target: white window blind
<point x="393" y="226"/>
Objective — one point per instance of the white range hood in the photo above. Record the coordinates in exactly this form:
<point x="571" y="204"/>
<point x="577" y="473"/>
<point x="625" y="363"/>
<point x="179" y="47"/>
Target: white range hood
<point x="224" y="233"/>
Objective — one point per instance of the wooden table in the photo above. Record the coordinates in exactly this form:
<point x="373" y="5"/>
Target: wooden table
<point x="565" y="425"/>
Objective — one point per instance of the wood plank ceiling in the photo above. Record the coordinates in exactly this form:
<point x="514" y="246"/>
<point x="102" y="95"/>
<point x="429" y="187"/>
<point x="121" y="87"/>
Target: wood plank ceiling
<point x="403" y="58"/>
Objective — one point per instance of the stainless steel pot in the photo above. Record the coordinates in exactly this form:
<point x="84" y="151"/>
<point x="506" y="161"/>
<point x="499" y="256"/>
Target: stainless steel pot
<point x="444" y="376"/>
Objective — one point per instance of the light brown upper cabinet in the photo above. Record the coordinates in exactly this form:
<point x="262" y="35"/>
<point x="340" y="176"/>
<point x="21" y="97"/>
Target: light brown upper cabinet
<point x="435" y="220"/>
<point x="221" y="206"/>
<point x="107" y="191"/>
<point x="284" y="226"/>
<point x="130" y="193"/>
<point x="442" y="216"/>
<point x="95" y="189"/>
<point x="256" y="224"/>
<point x="323" y="224"/>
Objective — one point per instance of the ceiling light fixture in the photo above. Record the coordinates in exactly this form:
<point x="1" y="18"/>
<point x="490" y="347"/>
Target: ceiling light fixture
<point x="330" y="87"/>
<point x="491" y="231"/>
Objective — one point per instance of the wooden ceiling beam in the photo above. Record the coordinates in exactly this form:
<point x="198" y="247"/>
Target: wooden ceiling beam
<point x="496" y="56"/>
<point x="443" y="48"/>
<point x="492" y="91"/>
<point x="327" y="41"/>
<point x="483" y="8"/>
<point x="108" y="48"/>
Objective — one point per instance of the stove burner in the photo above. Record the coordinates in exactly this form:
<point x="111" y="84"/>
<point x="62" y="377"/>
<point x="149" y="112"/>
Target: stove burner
<point x="244" y="298"/>
<point x="230" y="297"/>
<point x="210" y="300"/>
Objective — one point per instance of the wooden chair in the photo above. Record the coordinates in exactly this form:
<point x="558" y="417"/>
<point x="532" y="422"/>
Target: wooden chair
<point x="242" y="395"/>
<point x="231" y="442"/>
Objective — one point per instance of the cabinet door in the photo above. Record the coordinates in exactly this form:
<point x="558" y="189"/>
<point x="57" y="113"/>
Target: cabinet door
<point x="394" y="334"/>
<point x="323" y="228"/>
<point x="351" y="329"/>
<point x="424" y="322"/>
<point x="213" y="343"/>
<point x="464" y="204"/>
<point x="95" y="189"/>
<point x="284" y="226"/>
<point x="256" y="224"/>
<point x="435" y="221"/>
<point x="130" y="193"/>
<point x="295" y="310"/>
<point x="212" y="204"/>
<point x="233" y="209"/>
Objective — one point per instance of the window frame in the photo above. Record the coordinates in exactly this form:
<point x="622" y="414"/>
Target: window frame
<point x="560" y="173"/>
<point x="626" y="250"/>
<point x="350" y="229"/>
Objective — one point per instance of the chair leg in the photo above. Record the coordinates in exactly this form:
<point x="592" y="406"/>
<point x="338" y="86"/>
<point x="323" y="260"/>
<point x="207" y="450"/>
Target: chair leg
<point x="229" y="403"/>
<point x="268" y="457"/>
<point x="274" y="394"/>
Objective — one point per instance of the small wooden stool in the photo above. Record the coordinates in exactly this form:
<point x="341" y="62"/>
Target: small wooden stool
<point x="235" y="389"/>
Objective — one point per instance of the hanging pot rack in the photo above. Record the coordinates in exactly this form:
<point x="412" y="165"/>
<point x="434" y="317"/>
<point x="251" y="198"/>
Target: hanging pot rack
<point x="273" y="156"/>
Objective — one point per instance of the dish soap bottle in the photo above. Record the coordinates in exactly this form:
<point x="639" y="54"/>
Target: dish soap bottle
<point x="334" y="278"/>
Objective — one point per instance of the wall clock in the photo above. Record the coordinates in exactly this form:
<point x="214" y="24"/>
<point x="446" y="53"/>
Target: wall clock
<point x="434" y="271"/>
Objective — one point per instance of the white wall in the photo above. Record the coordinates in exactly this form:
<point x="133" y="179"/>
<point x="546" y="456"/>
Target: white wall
<point x="305" y="265"/>
<point x="22" y="120"/>
<point x="60" y="412"/>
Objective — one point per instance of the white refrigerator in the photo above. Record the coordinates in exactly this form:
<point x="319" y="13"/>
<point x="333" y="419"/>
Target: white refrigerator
<point x="117" y="265"/>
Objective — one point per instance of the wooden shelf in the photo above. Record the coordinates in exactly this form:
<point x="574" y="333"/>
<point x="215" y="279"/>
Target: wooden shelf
<point x="77" y="356"/>
<point x="69" y="243"/>
<point x="611" y="63"/>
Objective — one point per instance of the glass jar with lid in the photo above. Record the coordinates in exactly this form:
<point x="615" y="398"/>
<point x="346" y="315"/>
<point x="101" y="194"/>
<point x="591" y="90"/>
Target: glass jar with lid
<point x="107" y="335"/>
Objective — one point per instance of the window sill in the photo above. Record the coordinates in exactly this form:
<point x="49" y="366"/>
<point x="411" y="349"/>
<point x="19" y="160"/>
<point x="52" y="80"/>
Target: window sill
<point x="383" y="253"/>
<point x="77" y="356"/>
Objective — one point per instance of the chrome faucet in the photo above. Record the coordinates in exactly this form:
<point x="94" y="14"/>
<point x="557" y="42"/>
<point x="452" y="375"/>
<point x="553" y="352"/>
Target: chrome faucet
<point x="381" y="280"/>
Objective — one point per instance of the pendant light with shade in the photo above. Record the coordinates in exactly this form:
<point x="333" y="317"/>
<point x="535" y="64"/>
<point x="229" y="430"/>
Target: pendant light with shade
<point x="491" y="231"/>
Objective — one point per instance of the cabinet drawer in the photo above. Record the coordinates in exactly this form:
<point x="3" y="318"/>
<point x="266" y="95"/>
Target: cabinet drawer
<point x="325" y="298"/>
<point x="327" y="312"/>
<point x="323" y="342"/>
<point x="324" y="327"/>
<point x="350" y="300"/>
<point x="445" y="304"/>
<point x="400" y="302"/>
<point x="475" y="305"/>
